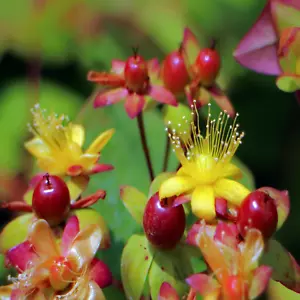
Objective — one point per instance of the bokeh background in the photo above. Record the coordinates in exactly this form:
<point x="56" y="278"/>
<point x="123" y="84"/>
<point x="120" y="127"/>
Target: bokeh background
<point x="47" y="48"/>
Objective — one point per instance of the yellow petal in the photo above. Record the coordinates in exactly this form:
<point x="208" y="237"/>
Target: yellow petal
<point x="88" y="160"/>
<point x="100" y="142"/>
<point x="5" y="291"/>
<point x="181" y="172"/>
<point x="231" y="190"/>
<point x="175" y="186"/>
<point x="203" y="202"/>
<point x="43" y="240"/>
<point x="77" y="186"/>
<point x="51" y="166"/>
<point x="37" y="148"/>
<point x="78" y="134"/>
<point x="232" y="170"/>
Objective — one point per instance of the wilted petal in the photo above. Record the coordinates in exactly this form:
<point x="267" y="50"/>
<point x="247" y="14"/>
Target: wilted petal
<point x="227" y="234"/>
<point x="117" y="66"/>
<point x="78" y="134"/>
<point x="21" y="256"/>
<point x="100" y="273"/>
<point x="175" y="186"/>
<point x="222" y="100"/>
<point x="110" y="97"/>
<point x="84" y="247"/>
<point x="203" y="202"/>
<point x="257" y="50"/>
<point x="134" y="104"/>
<point x="99" y="143"/>
<point x="70" y="232"/>
<point x="202" y="283"/>
<point x="43" y="240"/>
<point x="260" y="281"/>
<point x="99" y="168"/>
<point x="162" y="95"/>
<point x="89" y="200"/>
<point x="167" y="292"/>
<point x="231" y="190"/>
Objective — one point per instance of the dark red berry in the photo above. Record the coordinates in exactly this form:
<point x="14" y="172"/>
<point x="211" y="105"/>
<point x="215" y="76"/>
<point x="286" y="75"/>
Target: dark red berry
<point x="136" y="74"/>
<point x="174" y="72"/>
<point x="163" y="224"/>
<point x="51" y="199"/>
<point x="207" y="66"/>
<point x="259" y="211"/>
<point x="235" y="288"/>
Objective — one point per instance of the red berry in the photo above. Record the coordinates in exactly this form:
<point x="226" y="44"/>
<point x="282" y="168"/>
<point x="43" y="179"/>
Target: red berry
<point x="259" y="211"/>
<point x="235" y="288"/>
<point x="163" y="224"/>
<point x="51" y="199"/>
<point x="174" y="73"/>
<point x="207" y="66"/>
<point x="136" y="74"/>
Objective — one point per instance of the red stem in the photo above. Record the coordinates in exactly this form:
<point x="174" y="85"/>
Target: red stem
<point x="141" y="127"/>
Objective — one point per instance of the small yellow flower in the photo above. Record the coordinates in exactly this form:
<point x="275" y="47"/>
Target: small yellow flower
<point x="57" y="145"/>
<point x="206" y="165"/>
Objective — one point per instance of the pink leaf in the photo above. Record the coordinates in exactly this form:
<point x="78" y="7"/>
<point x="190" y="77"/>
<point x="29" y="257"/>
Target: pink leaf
<point x="134" y="104"/>
<point x="117" y="66"/>
<point x="70" y="231"/>
<point x="227" y="234"/>
<point x="222" y="100"/>
<point x="257" y="50"/>
<point x="99" y="168"/>
<point x="100" y="273"/>
<point x="89" y="200"/>
<point x="202" y="283"/>
<point x="260" y="281"/>
<point x="110" y="97"/>
<point x="162" y="95"/>
<point x="21" y="256"/>
<point x="167" y="292"/>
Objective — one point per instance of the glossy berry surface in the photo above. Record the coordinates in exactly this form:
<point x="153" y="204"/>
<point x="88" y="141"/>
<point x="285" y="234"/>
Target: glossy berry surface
<point x="51" y="199"/>
<point x="207" y="66"/>
<point x="235" y="288"/>
<point x="259" y="211"/>
<point x="174" y="72"/>
<point x="163" y="224"/>
<point x="136" y="74"/>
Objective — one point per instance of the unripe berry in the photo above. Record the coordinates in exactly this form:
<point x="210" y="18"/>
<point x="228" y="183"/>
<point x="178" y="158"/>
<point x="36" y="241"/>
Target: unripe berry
<point x="136" y="74"/>
<point x="259" y="211"/>
<point x="174" y="72"/>
<point x="207" y="66"/>
<point x="163" y="224"/>
<point x="51" y="199"/>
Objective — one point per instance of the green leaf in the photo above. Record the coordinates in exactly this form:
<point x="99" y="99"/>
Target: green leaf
<point x="284" y="266"/>
<point x="172" y="267"/>
<point x="158" y="180"/>
<point x="135" y="202"/>
<point x="136" y="260"/>
<point x="288" y="83"/>
<point x="277" y="291"/>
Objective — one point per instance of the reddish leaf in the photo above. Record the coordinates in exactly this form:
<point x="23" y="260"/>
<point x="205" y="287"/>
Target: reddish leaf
<point x="110" y="97"/>
<point x="134" y="104"/>
<point x="227" y="234"/>
<point x="106" y="79"/>
<point x="257" y="50"/>
<point x="167" y="292"/>
<point x="89" y="200"/>
<point x="99" y="168"/>
<point x="70" y="231"/>
<point x="202" y="283"/>
<point x="261" y="278"/>
<point x="162" y="95"/>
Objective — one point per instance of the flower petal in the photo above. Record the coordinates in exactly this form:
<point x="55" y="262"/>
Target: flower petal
<point x="167" y="292"/>
<point x="77" y="186"/>
<point x="257" y="50"/>
<point x="5" y="292"/>
<point x="70" y="231"/>
<point x="158" y="180"/>
<point x="222" y="100"/>
<point x="288" y="82"/>
<point x="78" y="134"/>
<point x="260" y="281"/>
<point x="15" y="232"/>
<point x="89" y="200"/>
<point x="43" y="240"/>
<point x="37" y="148"/>
<point x="117" y="66"/>
<point x="231" y="190"/>
<point x="203" y="202"/>
<point x="282" y="202"/>
<point x="231" y="170"/>
<point x="202" y="283"/>
<point x="106" y="79"/>
<point x="94" y="293"/>
<point x="100" y="273"/>
<point x="134" y="104"/>
<point x="99" y="168"/>
<point x="99" y="143"/>
<point x="227" y="234"/>
<point x="162" y="95"/>
<point x="84" y="247"/>
<point x="21" y="256"/>
<point x="176" y="186"/>
<point x="110" y="97"/>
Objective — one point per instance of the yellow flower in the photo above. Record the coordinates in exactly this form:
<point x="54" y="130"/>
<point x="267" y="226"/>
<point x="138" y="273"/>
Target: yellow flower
<point x="57" y="145"/>
<point x="206" y="165"/>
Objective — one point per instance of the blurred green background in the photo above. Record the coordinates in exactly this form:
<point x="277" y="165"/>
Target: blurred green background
<point x="48" y="46"/>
